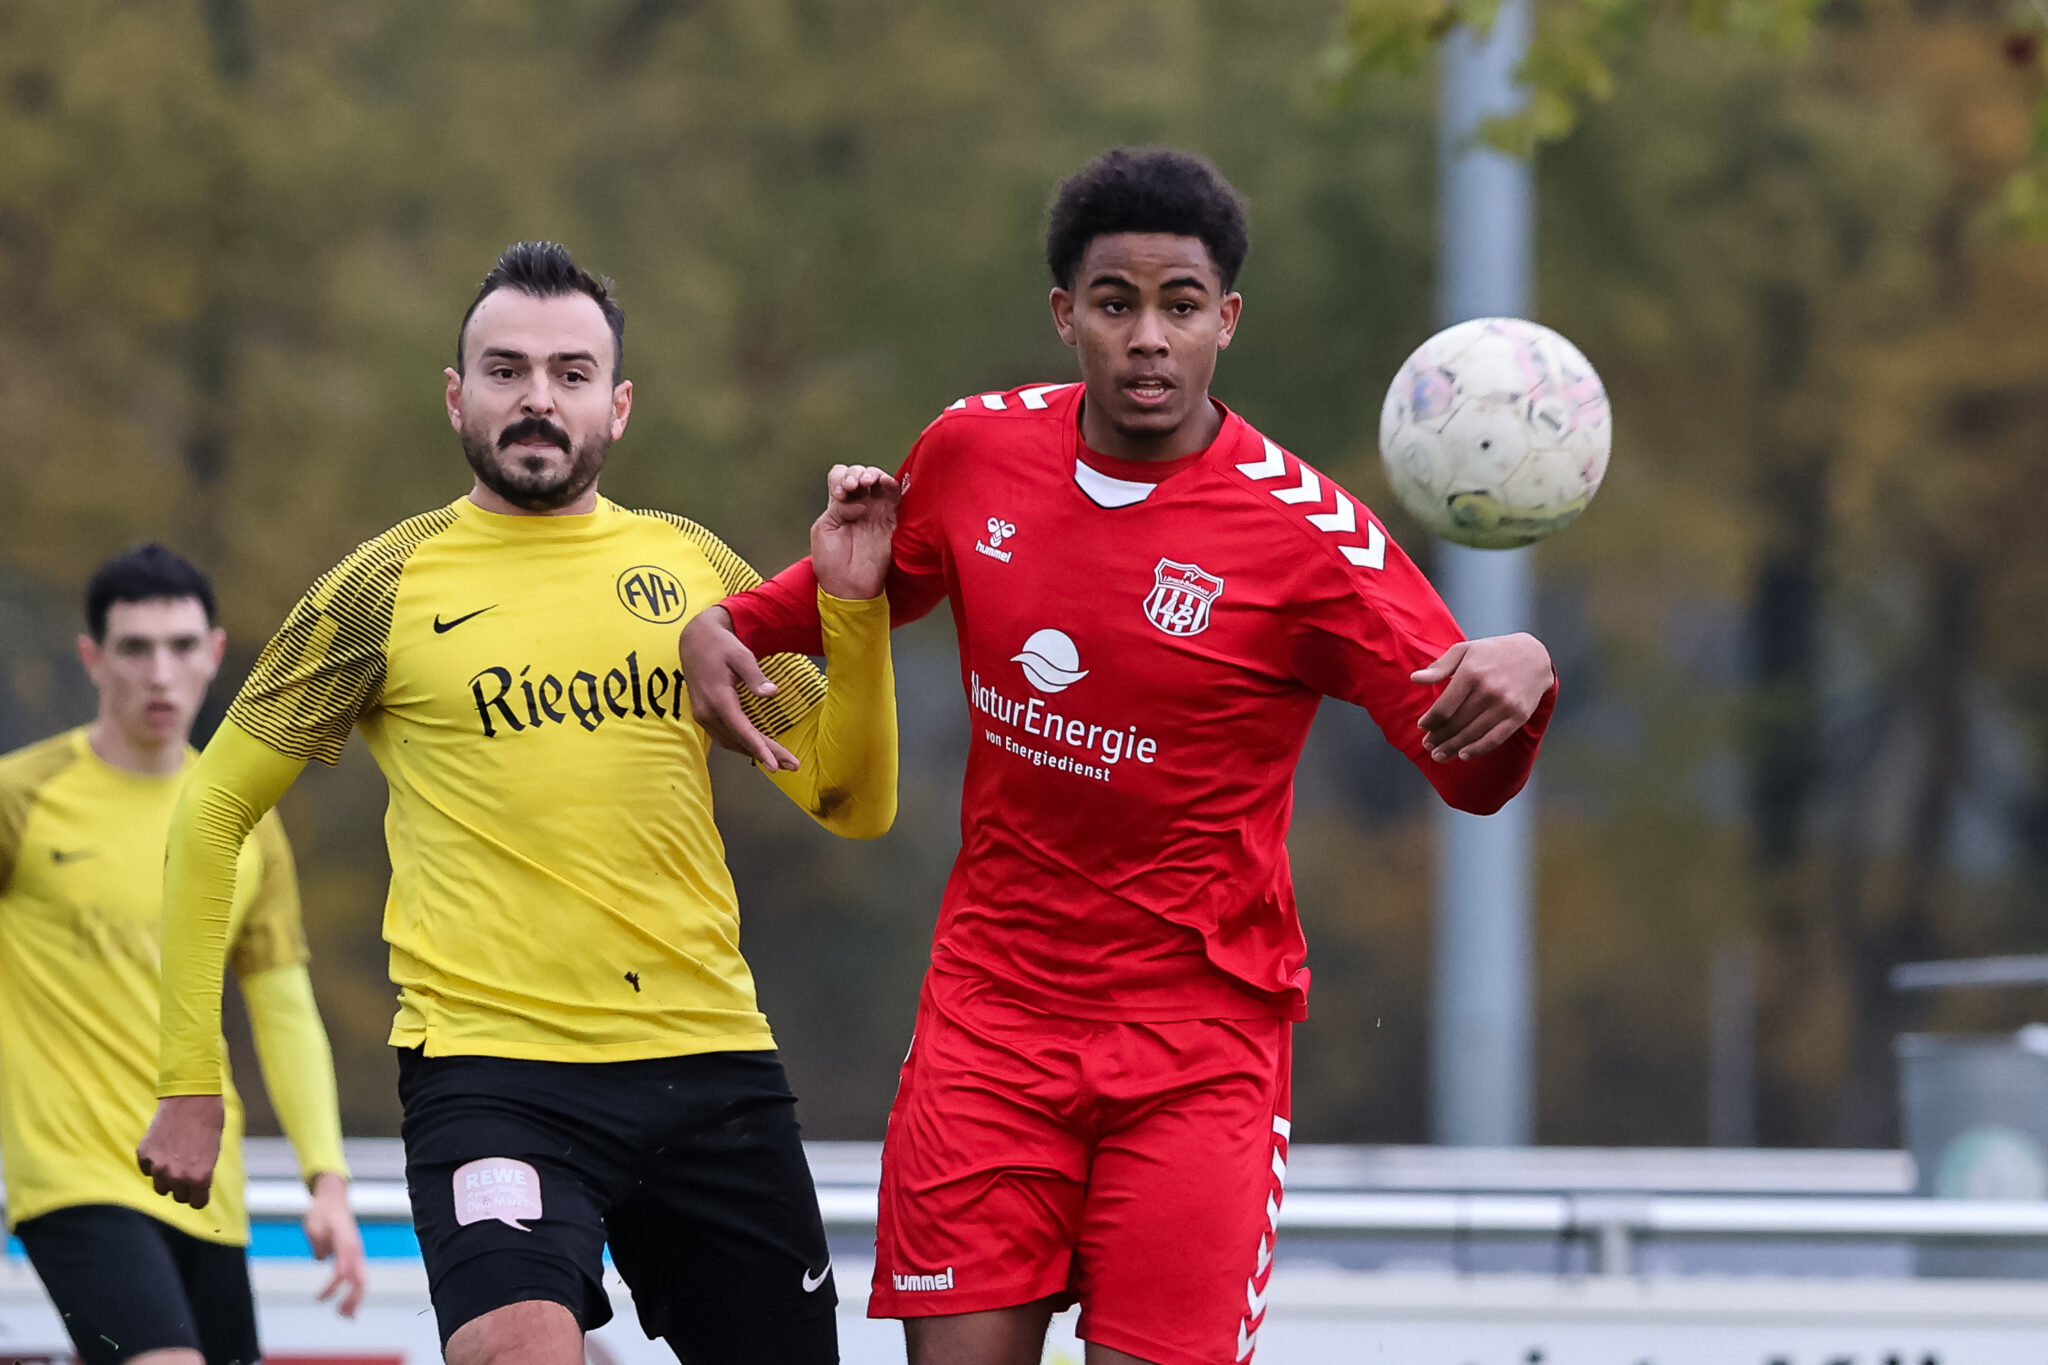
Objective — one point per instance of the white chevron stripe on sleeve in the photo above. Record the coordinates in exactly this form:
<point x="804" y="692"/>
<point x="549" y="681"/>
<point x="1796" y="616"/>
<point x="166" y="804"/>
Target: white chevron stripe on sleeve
<point x="1034" y="398"/>
<point x="1372" y="554"/>
<point x="1341" y="522"/>
<point x="1272" y="467"/>
<point x="1311" y="489"/>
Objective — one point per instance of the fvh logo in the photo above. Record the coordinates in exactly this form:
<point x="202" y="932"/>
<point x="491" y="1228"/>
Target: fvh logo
<point x="1180" y="598"/>
<point x="652" y="594"/>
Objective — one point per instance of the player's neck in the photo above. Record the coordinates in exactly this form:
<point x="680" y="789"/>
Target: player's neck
<point x="491" y="502"/>
<point x="1195" y="434"/>
<point x="116" y="748"/>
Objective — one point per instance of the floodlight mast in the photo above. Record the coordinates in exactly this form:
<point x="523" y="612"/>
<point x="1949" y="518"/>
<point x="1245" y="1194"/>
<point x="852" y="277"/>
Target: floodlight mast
<point x="1482" y="1053"/>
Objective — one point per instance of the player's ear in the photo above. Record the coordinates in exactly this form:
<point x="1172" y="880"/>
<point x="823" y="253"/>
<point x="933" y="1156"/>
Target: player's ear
<point x="216" y="650"/>
<point x="90" y="654"/>
<point x="1233" y="305"/>
<point x="453" y="397"/>
<point x="1062" y="301"/>
<point x="622" y="406"/>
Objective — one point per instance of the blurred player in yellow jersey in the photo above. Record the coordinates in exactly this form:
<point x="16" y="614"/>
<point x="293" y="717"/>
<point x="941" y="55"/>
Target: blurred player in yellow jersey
<point x="581" y="1059"/>
<point x="83" y="817"/>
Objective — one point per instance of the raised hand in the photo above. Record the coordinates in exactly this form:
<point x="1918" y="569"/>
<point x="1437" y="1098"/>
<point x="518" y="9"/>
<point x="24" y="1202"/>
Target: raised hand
<point x="716" y="665"/>
<point x="182" y="1145"/>
<point x="850" y="541"/>
<point x="1491" y="688"/>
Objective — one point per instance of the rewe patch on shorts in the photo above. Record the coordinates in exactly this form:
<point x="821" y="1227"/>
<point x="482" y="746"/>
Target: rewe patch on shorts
<point x="497" y="1187"/>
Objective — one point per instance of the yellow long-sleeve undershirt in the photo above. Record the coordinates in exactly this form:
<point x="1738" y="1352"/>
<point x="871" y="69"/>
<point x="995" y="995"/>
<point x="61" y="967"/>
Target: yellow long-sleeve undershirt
<point x="297" y="1064"/>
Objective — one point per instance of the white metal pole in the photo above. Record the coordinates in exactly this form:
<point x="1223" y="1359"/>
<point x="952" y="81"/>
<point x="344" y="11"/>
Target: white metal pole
<point x="1482" y="1037"/>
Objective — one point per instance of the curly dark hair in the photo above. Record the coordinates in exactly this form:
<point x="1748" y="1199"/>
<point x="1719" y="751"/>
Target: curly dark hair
<point x="1148" y="189"/>
<point x="546" y="270"/>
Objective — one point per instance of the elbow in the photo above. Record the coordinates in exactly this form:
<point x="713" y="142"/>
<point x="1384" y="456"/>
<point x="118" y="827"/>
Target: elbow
<point x="1478" y="803"/>
<point x="848" y="816"/>
<point x="1481" y="797"/>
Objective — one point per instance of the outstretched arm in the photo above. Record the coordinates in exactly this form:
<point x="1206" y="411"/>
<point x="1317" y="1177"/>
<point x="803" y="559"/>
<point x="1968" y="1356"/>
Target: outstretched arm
<point x="719" y="647"/>
<point x="236" y="780"/>
<point x="1469" y="713"/>
<point x="838" y="761"/>
<point x="298" y="1071"/>
<point x="844" y="750"/>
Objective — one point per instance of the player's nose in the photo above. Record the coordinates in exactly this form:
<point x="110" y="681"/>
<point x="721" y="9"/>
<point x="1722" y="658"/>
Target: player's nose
<point x="538" y="397"/>
<point x="1148" y="334"/>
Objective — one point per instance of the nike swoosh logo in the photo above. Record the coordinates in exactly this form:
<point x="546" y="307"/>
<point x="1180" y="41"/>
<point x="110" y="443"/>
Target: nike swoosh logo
<point x="58" y="855"/>
<point x="443" y="627"/>
<point x="811" y="1284"/>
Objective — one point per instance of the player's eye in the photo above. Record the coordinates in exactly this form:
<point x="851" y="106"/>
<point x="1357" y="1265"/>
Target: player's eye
<point x="1115" y="306"/>
<point x="503" y="372"/>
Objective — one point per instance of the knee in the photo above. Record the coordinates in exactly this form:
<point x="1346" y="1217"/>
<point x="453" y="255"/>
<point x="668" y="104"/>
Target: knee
<point x="535" y="1332"/>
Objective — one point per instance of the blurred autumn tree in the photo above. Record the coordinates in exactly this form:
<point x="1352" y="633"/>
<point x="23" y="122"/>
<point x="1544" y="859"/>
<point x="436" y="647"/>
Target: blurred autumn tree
<point x="236" y="235"/>
<point x="1807" y="262"/>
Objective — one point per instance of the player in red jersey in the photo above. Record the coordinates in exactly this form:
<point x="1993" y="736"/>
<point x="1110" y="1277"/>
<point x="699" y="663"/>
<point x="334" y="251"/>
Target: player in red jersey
<point x="1151" y="598"/>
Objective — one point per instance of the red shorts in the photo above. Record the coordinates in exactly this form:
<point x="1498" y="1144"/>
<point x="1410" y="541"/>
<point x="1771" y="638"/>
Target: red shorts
<point x="1135" y="1167"/>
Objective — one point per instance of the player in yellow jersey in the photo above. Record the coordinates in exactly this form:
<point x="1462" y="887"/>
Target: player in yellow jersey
<point x="82" y="823"/>
<point x="581" y="1059"/>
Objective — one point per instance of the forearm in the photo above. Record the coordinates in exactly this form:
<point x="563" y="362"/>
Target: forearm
<point x="847" y="743"/>
<point x="298" y="1065"/>
<point x="236" y="780"/>
<point x="781" y="615"/>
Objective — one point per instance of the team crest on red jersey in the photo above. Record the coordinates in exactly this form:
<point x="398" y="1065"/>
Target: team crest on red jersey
<point x="1181" y="597"/>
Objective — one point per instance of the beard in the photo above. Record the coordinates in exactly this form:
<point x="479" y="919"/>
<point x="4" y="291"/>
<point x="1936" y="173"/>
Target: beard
<point x="527" y="481"/>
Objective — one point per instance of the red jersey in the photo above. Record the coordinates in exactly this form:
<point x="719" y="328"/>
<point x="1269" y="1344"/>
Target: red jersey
<point x="1143" y="647"/>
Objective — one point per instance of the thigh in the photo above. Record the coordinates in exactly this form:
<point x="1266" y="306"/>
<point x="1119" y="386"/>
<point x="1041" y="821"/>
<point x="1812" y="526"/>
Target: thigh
<point x="216" y="1281"/>
<point x="507" y="1187"/>
<point x="1177" y="1238"/>
<point x="719" y="1236"/>
<point x="985" y="1163"/>
<point x="111" y="1319"/>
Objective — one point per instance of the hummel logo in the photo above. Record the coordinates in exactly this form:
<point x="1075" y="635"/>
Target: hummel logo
<point x="924" y="1284"/>
<point x="58" y="855"/>
<point x="812" y="1282"/>
<point x="998" y="531"/>
<point x="443" y="627"/>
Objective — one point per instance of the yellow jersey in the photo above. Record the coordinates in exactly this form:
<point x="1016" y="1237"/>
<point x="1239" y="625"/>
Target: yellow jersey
<point x="81" y="884"/>
<point x="558" y="889"/>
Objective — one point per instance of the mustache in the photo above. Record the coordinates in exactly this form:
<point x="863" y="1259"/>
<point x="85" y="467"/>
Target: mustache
<point x="533" y="426"/>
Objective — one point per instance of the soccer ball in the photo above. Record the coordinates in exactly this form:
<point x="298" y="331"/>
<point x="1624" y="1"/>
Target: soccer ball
<point x="1495" y="433"/>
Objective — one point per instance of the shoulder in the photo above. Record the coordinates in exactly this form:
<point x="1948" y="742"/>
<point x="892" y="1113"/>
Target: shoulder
<point x="1333" y="529"/>
<point x="996" y="415"/>
<point x="28" y="769"/>
<point x="734" y="572"/>
<point x="372" y="569"/>
<point x="23" y="776"/>
<point x="1030" y="402"/>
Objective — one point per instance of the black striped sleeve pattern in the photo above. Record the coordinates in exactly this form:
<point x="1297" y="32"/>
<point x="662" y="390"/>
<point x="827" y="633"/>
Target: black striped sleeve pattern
<point x="23" y="775"/>
<point x="325" y="665"/>
<point x="800" y="686"/>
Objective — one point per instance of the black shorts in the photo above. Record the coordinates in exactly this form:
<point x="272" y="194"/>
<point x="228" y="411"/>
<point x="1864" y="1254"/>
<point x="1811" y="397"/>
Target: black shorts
<point x="171" y="1290"/>
<point x="521" y="1172"/>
